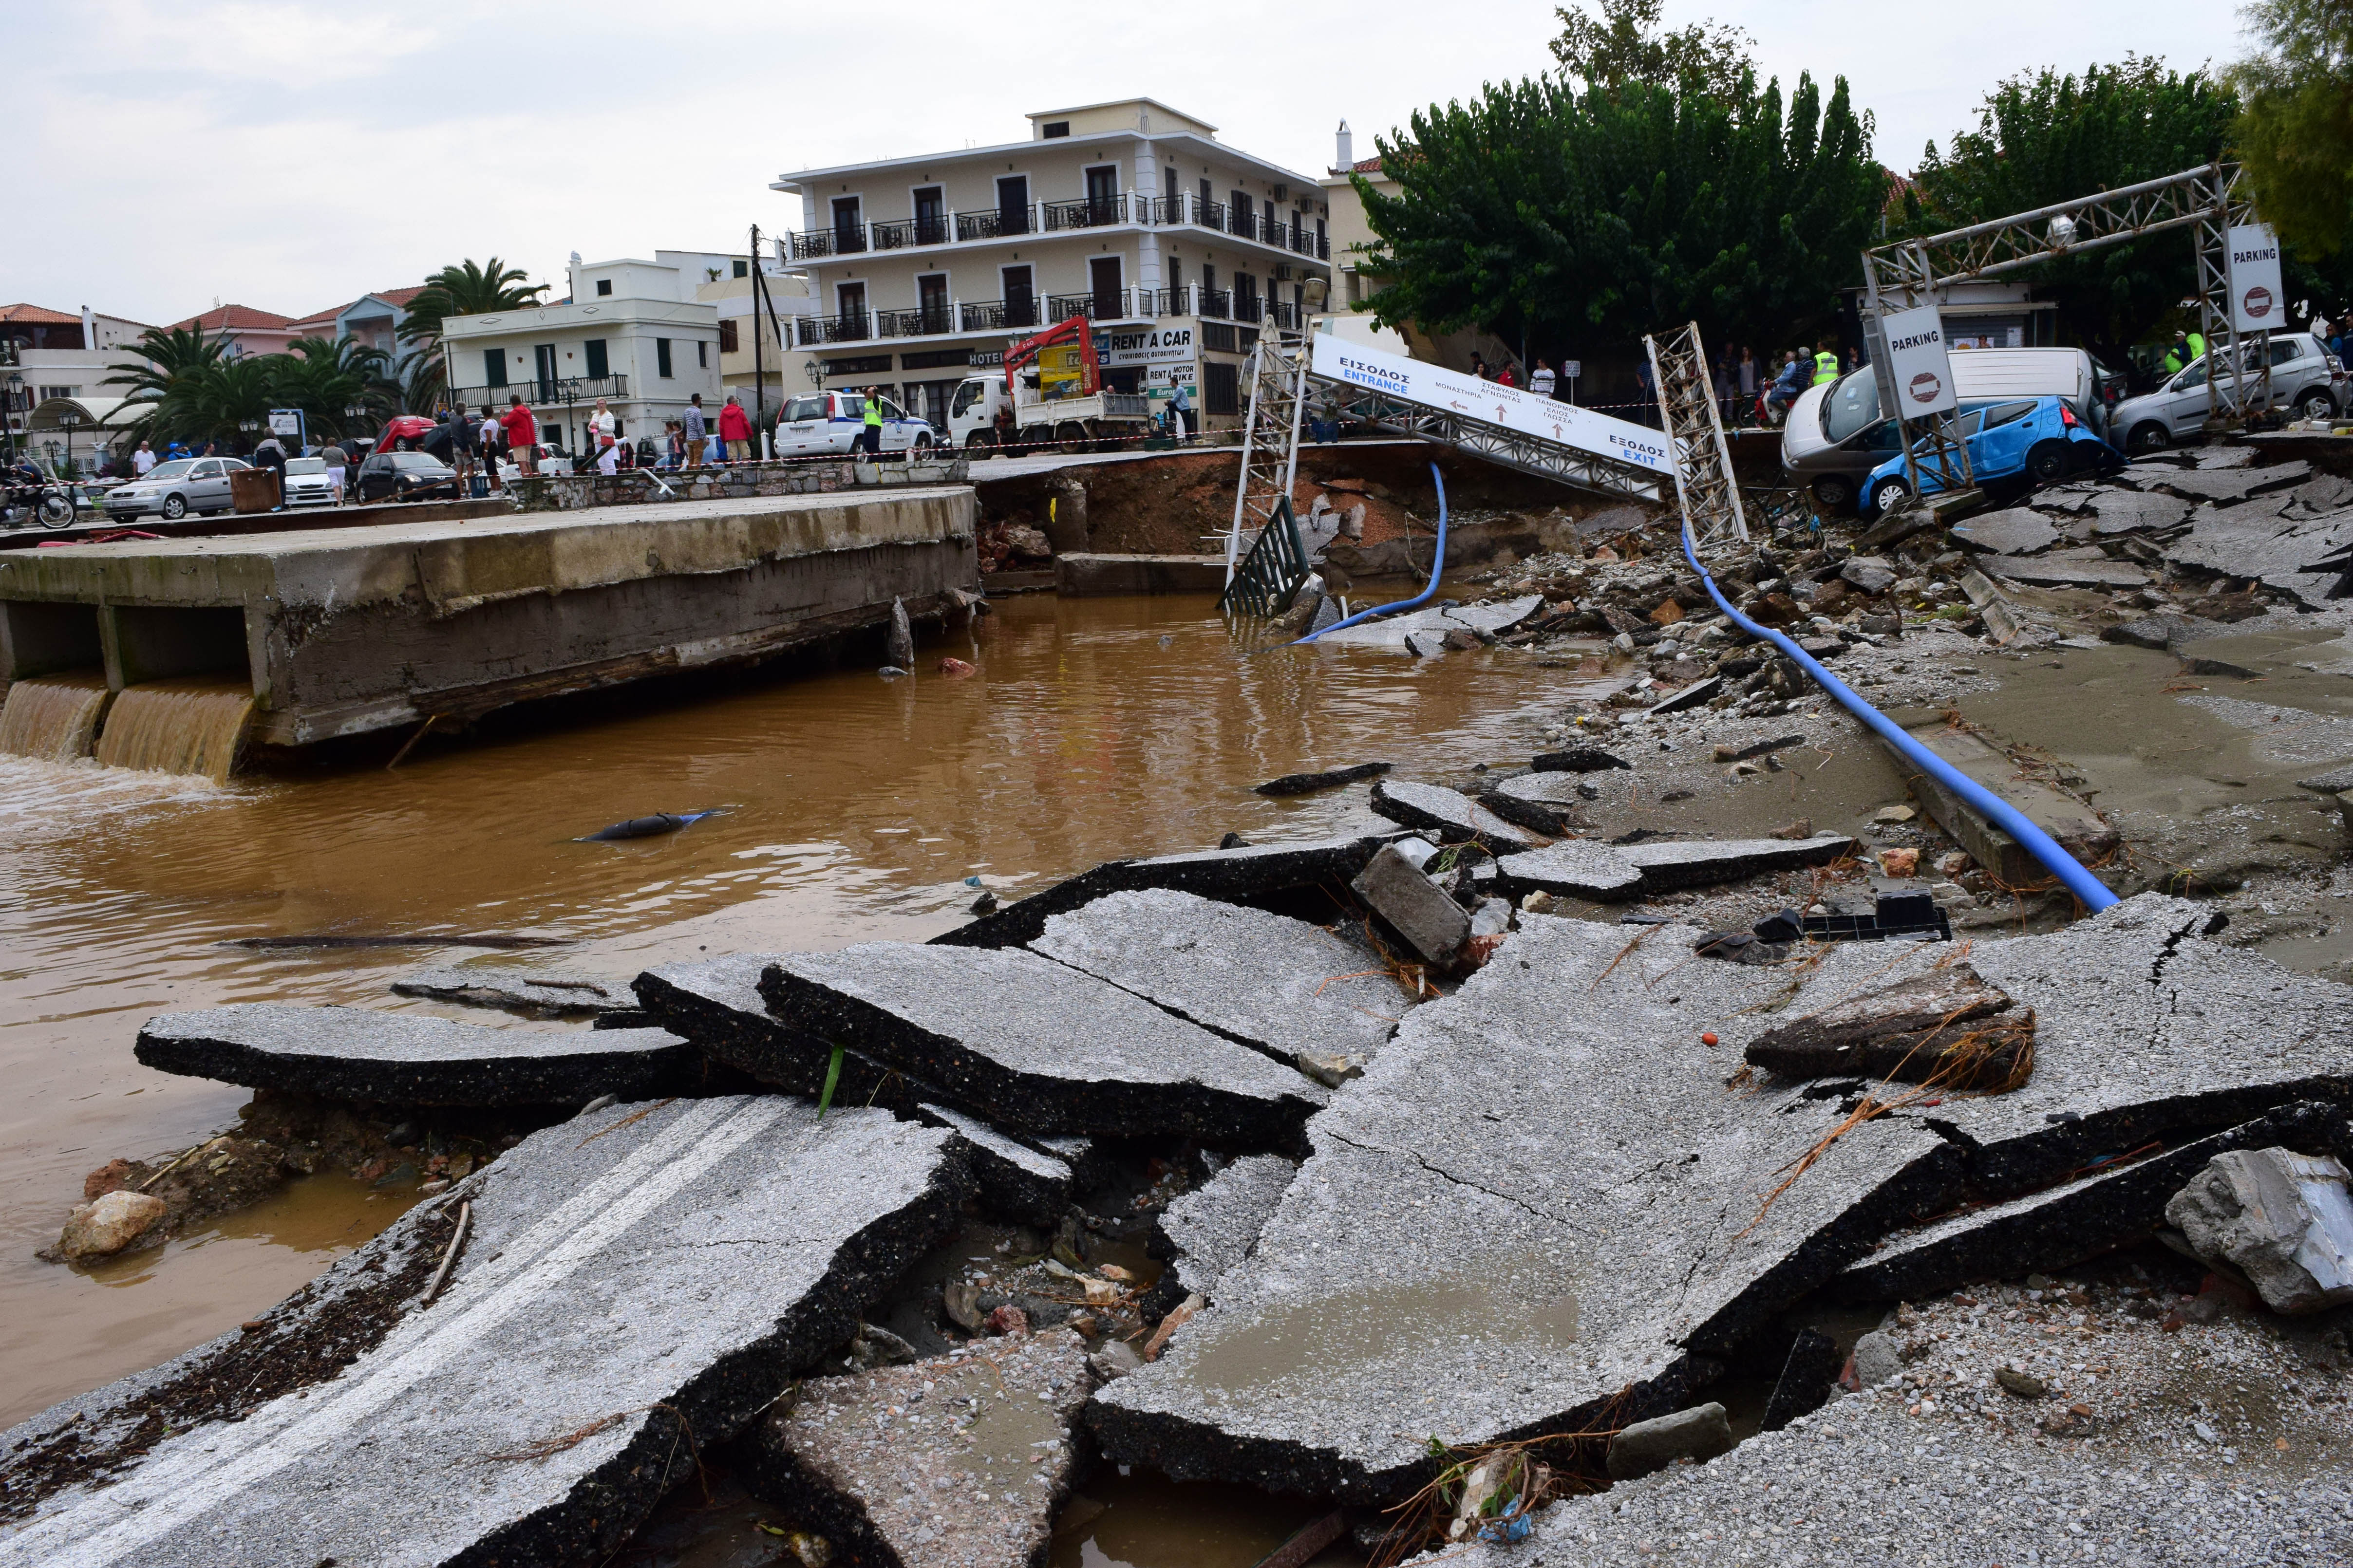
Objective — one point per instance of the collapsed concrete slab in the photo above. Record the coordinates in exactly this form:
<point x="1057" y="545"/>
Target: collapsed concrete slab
<point x="1010" y="1178"/>
<point x="1548" y="804"/>
<point x="1035" y="1044"/>
<point x="2129" y="511"/>
<point x="1214" y="1227"/>
<point x="1250" y="871"/>
<point x="2061" y="1225"/>
<point x="1475" y="1266"/>
<point x="1278" y="985"/>
<point x="2064" y="571"/>
<point x="534" y="993"/>
<point x="958" y="1461"/>
<point x="1433" y="624"/>
<point x="2255" y="541"/>
<point x="716" y="1004"/>
<point x="2220" y="484"/>
<point x="1608" y="873"/>
<point x="2019" y="530"/>
<point x="633" y="1284"/>
<point x="1448" y="813"/>
<point x="408" y="1058"/>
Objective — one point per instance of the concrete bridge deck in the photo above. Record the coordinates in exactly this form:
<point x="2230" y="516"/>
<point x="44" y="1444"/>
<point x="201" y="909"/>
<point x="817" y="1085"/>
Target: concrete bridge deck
<point x="344" y="630"/>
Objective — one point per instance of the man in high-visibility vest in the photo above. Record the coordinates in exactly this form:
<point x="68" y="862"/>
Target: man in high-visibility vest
<point x="1826" y="366"/>
<point x="871" y="437"/>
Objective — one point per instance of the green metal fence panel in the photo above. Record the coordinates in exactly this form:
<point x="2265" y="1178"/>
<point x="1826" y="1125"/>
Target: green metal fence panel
<point x="1272" y="573"/>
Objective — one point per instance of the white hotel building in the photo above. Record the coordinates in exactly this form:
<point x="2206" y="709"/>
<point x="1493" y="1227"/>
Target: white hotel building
<point x="1175" y="246"/>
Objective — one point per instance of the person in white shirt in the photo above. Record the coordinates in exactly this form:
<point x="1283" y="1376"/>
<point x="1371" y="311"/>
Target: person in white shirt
<point x="336" y="459"/>
<point x="608" y="456"/>
<point x="1541" y="383"/>
<point x="142" y="459"/>
<point x="601" y="423"/>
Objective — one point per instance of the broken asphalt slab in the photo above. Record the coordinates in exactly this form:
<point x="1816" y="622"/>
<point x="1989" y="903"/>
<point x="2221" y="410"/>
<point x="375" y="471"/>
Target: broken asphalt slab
<point x="716" y="1004"/>
<point x="638" y="1284"/>
<point x="1331" y="778"/>
<point x="408" y="1058"/>
<point x="1609" y="873"/>
<point x="1450" y="816"/>
<point x="2063" y="1226"/>
<point x="2061" y="571"/>
<point x="956" y="1462"/>
<point x="2220" y="486"/>
<point x="1392" y="633"/>
<point x="2019" y="530"/>
<point x="1209" y="1230"/>
<point x="534" y="993"/>
<point x="1036" y="1044"/>
<point x="1248" y="871"/>
<point x="1010" y="1178"/>
<point x="1285" y="987"/>
<point x="1473" y="1266"/>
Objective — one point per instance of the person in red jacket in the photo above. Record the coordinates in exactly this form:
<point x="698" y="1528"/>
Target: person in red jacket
<point x="521" y="433"/>
<point x="735" y="430"/>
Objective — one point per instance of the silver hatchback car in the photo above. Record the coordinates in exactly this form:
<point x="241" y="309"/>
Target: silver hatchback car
<point x="2305" y="380"/>
<point x="174" y="490"/>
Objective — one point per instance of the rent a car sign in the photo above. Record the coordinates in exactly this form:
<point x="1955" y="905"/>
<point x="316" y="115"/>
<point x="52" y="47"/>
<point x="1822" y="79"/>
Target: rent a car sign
<point x="1434" y="386"/>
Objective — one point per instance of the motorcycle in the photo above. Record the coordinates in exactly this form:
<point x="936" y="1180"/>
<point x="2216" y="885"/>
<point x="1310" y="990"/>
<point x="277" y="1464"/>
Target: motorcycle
<point x="45" y="501"/>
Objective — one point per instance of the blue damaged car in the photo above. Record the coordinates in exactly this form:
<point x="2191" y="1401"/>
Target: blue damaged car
<point x="2026" y="442"/>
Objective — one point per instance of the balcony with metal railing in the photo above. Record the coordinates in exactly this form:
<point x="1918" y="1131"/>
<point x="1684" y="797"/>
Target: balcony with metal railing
<point x="842" y="239"/>
<point x="542" y="390"/>
<point x="849" y="326"/>
<point x="1217" y="303"/>
<point x="924" y="321"/>
<point x="1110" y="305"/>
<point x="1087" y="212"/>
<point x="996" y="223"/>
<point x="998" y="315"/>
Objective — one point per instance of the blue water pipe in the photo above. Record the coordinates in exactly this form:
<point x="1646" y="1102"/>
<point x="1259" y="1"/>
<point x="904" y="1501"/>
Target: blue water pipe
<point x="2070" y="871"/>
<point x="1437" y="567"/>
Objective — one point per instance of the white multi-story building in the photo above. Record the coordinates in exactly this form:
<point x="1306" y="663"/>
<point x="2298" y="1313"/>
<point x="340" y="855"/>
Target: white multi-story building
<point x="1175" y="246"/>
<point x="632" y="333"/>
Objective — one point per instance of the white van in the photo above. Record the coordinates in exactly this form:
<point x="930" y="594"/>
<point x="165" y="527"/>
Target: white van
<point x="1834" y="435"/>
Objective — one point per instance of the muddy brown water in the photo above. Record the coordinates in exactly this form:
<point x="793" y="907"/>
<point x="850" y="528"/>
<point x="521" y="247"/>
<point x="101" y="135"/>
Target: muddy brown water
<point x="857" y="809"/>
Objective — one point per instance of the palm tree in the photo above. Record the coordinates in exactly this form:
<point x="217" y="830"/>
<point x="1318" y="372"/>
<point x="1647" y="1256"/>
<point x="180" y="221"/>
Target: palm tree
<point x="170" y="352"/>
<point x="328" y="380"/>
<point x="468" y="288"/>
<point x="423" y="387"/>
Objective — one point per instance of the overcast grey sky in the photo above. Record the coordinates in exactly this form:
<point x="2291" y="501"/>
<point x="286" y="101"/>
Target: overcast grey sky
<point x="294" y="155"/>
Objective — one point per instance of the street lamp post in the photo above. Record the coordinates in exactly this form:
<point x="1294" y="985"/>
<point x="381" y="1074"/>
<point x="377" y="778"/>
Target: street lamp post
<point x="15" y="396"/>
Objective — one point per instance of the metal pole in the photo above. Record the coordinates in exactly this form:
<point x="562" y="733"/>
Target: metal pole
<point x="759" y="356"/>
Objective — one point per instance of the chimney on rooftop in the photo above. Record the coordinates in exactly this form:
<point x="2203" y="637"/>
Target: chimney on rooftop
<point x="1348" y="149"/>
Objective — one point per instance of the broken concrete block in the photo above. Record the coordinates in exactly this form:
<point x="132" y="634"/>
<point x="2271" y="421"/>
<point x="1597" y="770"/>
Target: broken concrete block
<point x="1807" y="1376"/>
<point x="1700" y="692"/>
<point x="1430" y="625"/>
<point x="2019" y="530"/>
<point x="534" y="993"/>
<point x="1244" y="873"/>
<point x="1947" y="1026"/>
<point x="2129" y="512"/>
<point x="1416" y="908"/>
<point x="1698" y="1433"/>
<point x="1876" y="1359"/>
<point x="1868" y="575"/>
<point x="717" y="1005"/>
<point x="959" y="1459"/>
<point x="1609" y="872"/>
<point x="2061" y="1225"/>
<point x="629" y="1285"/>
<point x="104" y="1227"/>
<point x="1036" y="1044"/>
<point x="1545" y="803"/>
<point x="2280" y="1218"/>
<point x="2078" y="828"/>
<point x="408" y="1058"/>
<point x="1209" y="1230"/>
<point x="1331" y="778"/>
<point x="1280" y="984"/>
<point x="1470" y="1267"/>
<point x="1579" y="760"/>
<point x="1010" y="1178"/>
<point x="1450" y="814"/>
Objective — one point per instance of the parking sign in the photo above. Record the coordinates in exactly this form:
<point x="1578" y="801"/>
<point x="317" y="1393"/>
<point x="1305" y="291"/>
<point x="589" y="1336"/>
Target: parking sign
<point x="2258" y="302"/>
<point x="1918" y="367"/>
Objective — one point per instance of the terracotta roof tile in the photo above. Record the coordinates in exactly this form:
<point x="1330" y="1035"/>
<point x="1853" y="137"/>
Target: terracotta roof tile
<point x="235" y="317"/>
<point x="38" y="315"/>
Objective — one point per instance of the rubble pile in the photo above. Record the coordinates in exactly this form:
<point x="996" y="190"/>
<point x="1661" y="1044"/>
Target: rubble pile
<point x="1516" y="1173"/>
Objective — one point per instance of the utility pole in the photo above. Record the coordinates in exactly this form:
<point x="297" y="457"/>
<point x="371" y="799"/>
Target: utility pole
<point x="759" y="349"/>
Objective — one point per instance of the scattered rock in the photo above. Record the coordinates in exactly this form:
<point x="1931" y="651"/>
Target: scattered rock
<point x="1876" y="1359"/>
<point x="1868" y="575"/>
<point x="2280" y="1218"/>
<point x="1899" y="862"/>
<point x="1698" y="1433"/>
<point x="105" y="1228"/>
<point x="2023" y="1384"/>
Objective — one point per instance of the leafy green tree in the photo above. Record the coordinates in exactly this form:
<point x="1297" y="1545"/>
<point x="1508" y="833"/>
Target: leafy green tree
<point x="1623" y="45"/>
<point x="2050" y="137"/>
<point x="1580" y="220"/>
<point x="2296" y="131"/>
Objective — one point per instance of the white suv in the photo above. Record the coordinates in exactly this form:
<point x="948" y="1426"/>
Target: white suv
<point x="2306" y="380"/>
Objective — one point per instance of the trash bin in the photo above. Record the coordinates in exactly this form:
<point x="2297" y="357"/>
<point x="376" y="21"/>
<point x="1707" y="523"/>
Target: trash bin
<point x="253" y="489"/>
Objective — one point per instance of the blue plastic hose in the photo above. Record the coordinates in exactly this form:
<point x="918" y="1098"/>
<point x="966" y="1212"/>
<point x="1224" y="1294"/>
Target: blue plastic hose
<point x="1437" y="567"/>
<point x="2070" y="872"/>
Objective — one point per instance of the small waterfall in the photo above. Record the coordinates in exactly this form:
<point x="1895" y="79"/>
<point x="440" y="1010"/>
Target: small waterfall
<point x="52" y="717"/>
<point x="187" y="726"/>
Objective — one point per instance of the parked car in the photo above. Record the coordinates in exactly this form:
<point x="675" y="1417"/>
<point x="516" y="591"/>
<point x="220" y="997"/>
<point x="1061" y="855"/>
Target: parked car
<point x="1835" y="437"/>
<point x="2035" y="440"/>
<point x="2306" y="380"/>
<point x="816" y="424"/>
<point x="405" y="476"/>
<point x="307" y="483"/>
<point x="174" y="490"/>
<point x="551" y="460"/>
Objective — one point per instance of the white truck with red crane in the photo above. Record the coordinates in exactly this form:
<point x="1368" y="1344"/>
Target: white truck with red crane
<point x="1051" y="393"/>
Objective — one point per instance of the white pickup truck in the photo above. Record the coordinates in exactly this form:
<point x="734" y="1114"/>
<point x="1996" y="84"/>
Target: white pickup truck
<point x="983" y="419"/>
